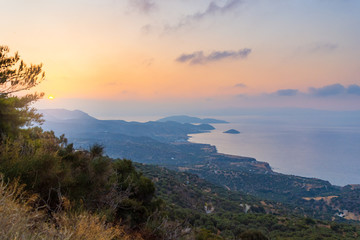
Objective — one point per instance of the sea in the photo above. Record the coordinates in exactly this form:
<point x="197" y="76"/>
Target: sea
<point x="324" y="145"/>
<point x="309" y="147"/>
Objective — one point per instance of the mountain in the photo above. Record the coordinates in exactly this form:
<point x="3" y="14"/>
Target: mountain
<point x="165" y="144"/>
<point x="63" y="114"/>
<point x="188" y="119"/>
<point x="77" y="124"/>
<point x="201" y="204"/>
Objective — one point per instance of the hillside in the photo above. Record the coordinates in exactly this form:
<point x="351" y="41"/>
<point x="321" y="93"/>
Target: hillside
<point x="201" y="204"/>
<point x="165" y="144"/>
<point x="188" y="119"/>
<point x="77" y="124"/>
<point x="63" y="114"/>
<point x="83" y="189"/>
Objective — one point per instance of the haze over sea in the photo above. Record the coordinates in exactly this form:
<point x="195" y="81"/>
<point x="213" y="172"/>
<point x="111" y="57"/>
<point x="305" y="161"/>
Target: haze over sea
<point x="307" y="146"/>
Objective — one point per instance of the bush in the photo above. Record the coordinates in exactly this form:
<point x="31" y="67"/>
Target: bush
<point x="19" y="220"/>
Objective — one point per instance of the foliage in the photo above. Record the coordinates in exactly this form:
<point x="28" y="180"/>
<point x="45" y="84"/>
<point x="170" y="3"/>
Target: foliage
<point x="253" y="235"/>
<point x="61" y="177"/>
<point x="96" y="150"/>
<point x="95" y="182"/>
<point x="16" y="113"/>
<point x="15" y="75"/>
<point x="65" y="193"/>
<point x="19" y="220"/>
<point x="186" y="194"/>
<point x="204" y="234"/>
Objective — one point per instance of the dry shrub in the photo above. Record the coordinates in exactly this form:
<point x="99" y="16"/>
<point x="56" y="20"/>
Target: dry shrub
<point x="87" y="226"/>
<point x="19" y="220"/>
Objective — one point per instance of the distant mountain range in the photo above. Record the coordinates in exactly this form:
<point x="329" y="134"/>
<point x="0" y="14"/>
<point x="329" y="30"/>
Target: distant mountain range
<point x="78" y="124"/>
<point x="165" y="143"/>
<point x="188" y="119"/>
<point x="63" y="114"/>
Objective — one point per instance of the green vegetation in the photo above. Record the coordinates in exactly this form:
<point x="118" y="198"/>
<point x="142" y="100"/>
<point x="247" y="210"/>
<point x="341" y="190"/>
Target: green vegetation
<point x="20" y="220"/>
<point x="164" y="144"/>
<point x="61" y="177"/>
<point x="59" y="192"/>
<point x="58" y="173"/>
<point x="236" y="215"/>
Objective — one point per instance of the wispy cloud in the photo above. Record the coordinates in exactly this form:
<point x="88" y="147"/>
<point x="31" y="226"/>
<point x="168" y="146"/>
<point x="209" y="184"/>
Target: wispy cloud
<point x="200" y="58"/>
<point x="148" y="62"/>
<point x="330" y="90"/>
<point x="319" y="47"/>
<point x="147" y="29"/>
<point x="327" y="47"/>
<point x="143" y="6"/>
<point x="212" y="9"/>
<point x="335" y="90"/>
<point x="354" y="89"/>
<point x="287" y="92"/>
<point x="240" y="85"/>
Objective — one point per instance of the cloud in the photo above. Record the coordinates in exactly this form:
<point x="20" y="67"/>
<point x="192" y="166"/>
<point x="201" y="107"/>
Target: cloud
<point x="240" y="85"/>
<point x="241" y="95"/>
<point x="143" y="6"/>
<point x="146" y="29"/>
<point x="287" y="92"/>
<point x="336" y="89"/>
<point x="187" y="57"/>
<point x="212" y="9"/>
<point x="200" y="58"/>
<point x="148" y="62"/>
<point x="324" y="47"/>
<point x="353" y="89"/>
<point x="330" y="90"/>
<point x="320" y="47"/>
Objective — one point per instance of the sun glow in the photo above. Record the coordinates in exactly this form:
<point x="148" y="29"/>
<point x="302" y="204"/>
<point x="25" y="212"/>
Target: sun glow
<point x="51" y="97"/>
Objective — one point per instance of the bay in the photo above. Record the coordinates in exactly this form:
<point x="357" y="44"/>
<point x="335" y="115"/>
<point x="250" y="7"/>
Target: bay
<point x="310" y="148"/>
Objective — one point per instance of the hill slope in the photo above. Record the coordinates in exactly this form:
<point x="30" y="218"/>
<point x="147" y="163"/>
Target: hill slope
<point x="188" y="119"/>
<point x="166" y="144"/>
<point x="201" y="204"/>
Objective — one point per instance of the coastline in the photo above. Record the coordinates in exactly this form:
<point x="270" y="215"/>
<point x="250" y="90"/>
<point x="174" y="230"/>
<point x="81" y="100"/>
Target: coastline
<point x="299" y="150"/>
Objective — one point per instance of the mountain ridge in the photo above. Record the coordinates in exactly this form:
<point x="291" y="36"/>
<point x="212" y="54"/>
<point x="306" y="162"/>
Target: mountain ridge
<point x="189" y="119"/>
<point x="165" y="144"/>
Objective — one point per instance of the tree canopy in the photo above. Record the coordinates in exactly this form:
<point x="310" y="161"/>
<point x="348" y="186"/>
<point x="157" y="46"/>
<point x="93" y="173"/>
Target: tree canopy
<point x="52" y="168"/>
<point x="15" y="76"/>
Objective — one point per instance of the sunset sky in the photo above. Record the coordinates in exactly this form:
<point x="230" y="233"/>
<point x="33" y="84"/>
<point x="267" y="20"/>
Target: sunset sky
<point x="179" y="56"/>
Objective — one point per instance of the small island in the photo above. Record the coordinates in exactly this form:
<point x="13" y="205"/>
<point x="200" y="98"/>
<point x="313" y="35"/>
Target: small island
<point x="232" y="131"/>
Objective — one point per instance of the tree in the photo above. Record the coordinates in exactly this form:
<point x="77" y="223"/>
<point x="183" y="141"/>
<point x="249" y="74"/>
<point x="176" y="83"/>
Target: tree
<point x="96" y="150"/>
<point x="15" y="76"/>
<point x="253" y="235"/>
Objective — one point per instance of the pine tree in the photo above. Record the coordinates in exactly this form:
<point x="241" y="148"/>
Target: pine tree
<point x="15" y="76"/>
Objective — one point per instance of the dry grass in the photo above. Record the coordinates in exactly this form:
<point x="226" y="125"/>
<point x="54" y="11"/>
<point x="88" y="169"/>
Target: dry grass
<point x="18" y="220"/>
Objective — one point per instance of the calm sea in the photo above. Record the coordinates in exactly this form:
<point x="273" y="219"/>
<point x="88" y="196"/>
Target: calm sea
<point x="308" y="148"/>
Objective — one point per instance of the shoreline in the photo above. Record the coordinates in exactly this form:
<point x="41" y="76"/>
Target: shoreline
<point x="275" y="170"/>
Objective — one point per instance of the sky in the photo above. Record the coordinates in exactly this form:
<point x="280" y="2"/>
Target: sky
<point x="117" y="57"/>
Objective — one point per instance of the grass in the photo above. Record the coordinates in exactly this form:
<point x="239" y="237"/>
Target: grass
<point x="19" y="220"/>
